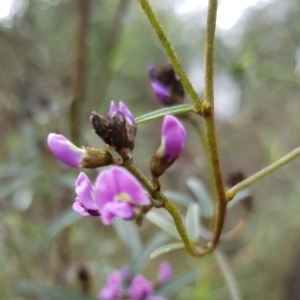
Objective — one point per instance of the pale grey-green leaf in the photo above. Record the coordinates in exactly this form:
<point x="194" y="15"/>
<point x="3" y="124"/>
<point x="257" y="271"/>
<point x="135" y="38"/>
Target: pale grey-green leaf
<point x="166" y="249"/>
<point x="192" y="221"/>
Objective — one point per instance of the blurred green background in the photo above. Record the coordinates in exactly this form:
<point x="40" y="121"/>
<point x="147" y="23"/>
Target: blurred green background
<point x="257" y="104"/>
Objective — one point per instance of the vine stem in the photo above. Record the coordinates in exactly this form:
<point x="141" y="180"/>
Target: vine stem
<point x="171" y="54"/>
<point x="262" y="173"/>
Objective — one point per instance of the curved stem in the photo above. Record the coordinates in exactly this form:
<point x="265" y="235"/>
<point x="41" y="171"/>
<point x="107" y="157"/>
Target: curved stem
<point x="262" y="173"/>
<point x="171" y="54"/>
<point x="170" y="207"/>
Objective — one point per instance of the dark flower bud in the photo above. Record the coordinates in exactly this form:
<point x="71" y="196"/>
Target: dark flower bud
<point x="166" y="85"/>
<point x="117" y="130"/>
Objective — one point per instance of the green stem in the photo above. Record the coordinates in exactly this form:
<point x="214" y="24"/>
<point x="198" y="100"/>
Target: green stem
<point x="218" y="184"/>
<point x="171" y="54"/>
<point x="209" y="52"/>
<point x="209" y="119"/>
<point x="262" y="173"/>
<point x="169" y="206"/>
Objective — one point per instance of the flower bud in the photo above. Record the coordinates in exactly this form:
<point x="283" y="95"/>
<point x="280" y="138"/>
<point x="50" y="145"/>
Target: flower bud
<point x="117" y="130"/>
<point x="172" y="144"/>
<point x="166" y="85"/>
<point x="65" y="151"/>
<point x="165" y="273"/>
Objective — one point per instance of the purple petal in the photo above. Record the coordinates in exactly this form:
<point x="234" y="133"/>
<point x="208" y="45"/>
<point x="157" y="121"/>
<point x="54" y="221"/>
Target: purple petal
<point x="65" y="151"/>
<point x="173" y="136"/>
<point x="113" y="287"/>
<point x="126" y="112"/>
<point x="140" y="288"/>
<point x="77" y="207"/>
<point x="112" y="109"/>
<point x="129" y="185"/>
<point x="111" y="210"/>
<point x="164" y="272"/>
<point x="85" y="192"/>
<point x="105" y="188"/>
<point x="125" y="272"/>
<point x="151" y="70"/>
<point x="161" y="91"/>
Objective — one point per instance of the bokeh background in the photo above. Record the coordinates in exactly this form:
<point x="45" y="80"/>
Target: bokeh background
<point x="55" y="51"/>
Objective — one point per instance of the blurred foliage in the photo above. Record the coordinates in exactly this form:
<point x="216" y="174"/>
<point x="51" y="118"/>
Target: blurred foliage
<point x="257" y="99"/>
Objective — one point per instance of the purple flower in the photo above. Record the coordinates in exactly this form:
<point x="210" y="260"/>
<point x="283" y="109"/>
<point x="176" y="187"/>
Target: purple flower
<point x="65" y="151"/>
<point x="173" y="137"/>
<point x="166" y="85"/>
<point x="123" y="110"/>
<point x="113" y="287"/>
<point x="118" y="193"/>
<point x="140" y="288"/>
<point x="164" y="272"/>
<point x="85" y="203"/>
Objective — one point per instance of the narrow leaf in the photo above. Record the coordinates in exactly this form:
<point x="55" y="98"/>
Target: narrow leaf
<point x="163" y="224"/>
<point x="166" y="249"/>
<point x="179" y="198"/>
<point x="174" y="110"/>
<point x="240" y="195"/>
<point x="154" y="242"/>
<point x="192" y="221"/>
<point x="176" y="284"/>
<point x="129" y="234"/>
<point x="228" y="275"/>
<point x="66" y="219"/>
<point x="50" y="292"/>
<point x="203" y="197"/>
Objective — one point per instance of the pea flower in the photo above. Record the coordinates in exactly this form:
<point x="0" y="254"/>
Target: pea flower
<point x="172" y="143"/>
<point x="65" y="151"/>
<point x="117" y="130"/>
<point x="166" y="85"/>
<point x="139" y="287"/>
<point x="117" y="193"/>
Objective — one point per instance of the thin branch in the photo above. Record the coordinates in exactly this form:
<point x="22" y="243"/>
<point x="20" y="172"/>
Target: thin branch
<point x="171" y="54"/>
<point x="262" y="173"/>
<point x="209" y="52"/>
<point x="79" y="83"/>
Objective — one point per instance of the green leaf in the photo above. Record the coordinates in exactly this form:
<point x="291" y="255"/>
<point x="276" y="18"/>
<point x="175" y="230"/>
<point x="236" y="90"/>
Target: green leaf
<point x="228" y="275"/>
<point x="129" y="234"/>
<point x="166" y="249"/>
<point x="154" y="242"/>
<point x="66" y="219"/>
<point x="174" y="110"/>
<point x="239" y="196"/>
<point x="192" y="221"/>
<point x="179" y="198"/>
<point x="203" y="197"/>
<point x="50" y="292"/>
<point x="163" y="224"/>
<point x="176" y="284"/>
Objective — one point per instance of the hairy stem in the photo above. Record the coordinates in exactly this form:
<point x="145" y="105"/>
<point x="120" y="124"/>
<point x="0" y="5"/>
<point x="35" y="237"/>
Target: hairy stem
<point x="209" y="52"/>
<point x="262" y="173"/>
<point x="171" y="54"/>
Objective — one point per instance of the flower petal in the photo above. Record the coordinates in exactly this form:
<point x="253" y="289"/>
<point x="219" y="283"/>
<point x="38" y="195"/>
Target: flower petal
<point x="111" y="210"/>
<point x="113" y="110"/>
<point x="126" y="183"/>
<point x="113" y="287"/>
<point x="78" y="207"/>
<point x="126" y="112"/>
<point x="161" y="91"/>
<point x="85" y="192"/>
<point x="173" y="136"/>
<point x="164" y="272"/>
<point x="140" y="288"/>
<point x="65" y="151"/>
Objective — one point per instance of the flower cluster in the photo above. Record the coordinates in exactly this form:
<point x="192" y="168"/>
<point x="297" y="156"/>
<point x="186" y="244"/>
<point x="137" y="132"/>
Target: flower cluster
<point x="120" y="285"/>
<point x="116" y="193"/>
